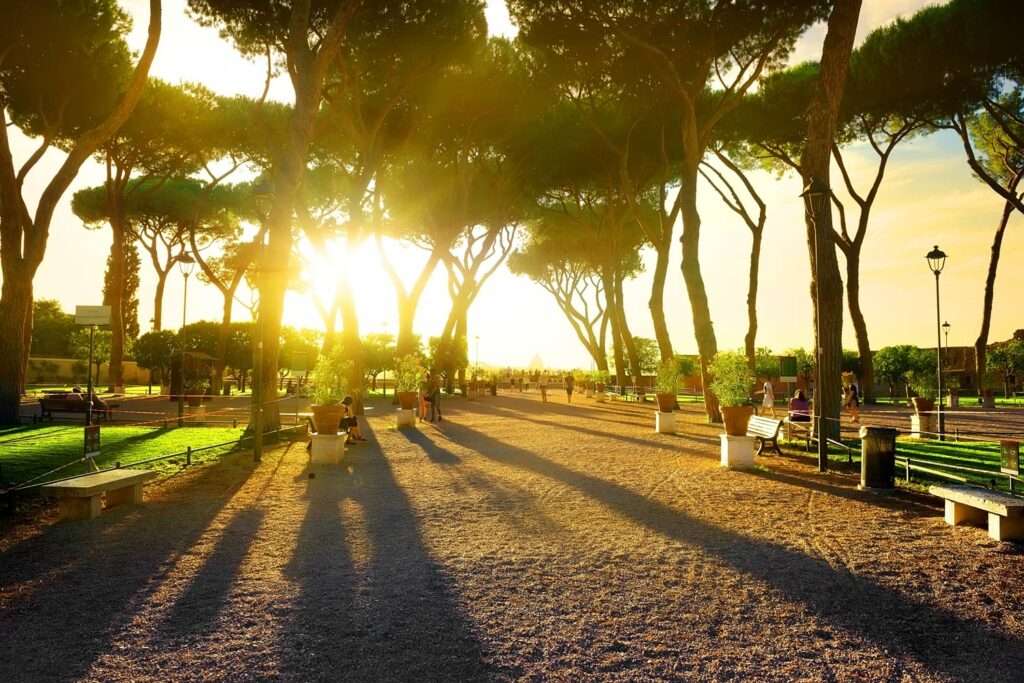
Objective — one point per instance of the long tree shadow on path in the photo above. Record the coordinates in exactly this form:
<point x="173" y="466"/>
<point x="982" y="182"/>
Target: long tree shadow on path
<point x="604" y="434"/>
<point x="394" y="614"/>
<point x="877" y="613"/>
<point x="94" y="573"/>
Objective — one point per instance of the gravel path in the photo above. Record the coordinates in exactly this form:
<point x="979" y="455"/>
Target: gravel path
<point x="514" y="541"/>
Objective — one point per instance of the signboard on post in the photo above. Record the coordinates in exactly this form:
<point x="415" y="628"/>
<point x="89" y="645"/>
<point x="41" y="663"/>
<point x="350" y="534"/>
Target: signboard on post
<point x="92" y="441"/>
<point x="787" y="369"/>
<point x="1009" y="462"/>
<point x="92" y="315"/>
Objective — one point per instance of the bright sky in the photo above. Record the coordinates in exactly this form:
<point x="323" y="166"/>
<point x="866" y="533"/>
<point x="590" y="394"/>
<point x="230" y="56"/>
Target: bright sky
<point x="929" y="197"/>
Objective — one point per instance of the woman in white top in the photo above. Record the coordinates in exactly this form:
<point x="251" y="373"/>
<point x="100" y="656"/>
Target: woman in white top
<point x="768" y="402"/>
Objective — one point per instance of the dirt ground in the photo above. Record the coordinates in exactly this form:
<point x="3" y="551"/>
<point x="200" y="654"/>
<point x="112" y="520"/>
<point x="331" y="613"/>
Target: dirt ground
<point x="515" y="540"/>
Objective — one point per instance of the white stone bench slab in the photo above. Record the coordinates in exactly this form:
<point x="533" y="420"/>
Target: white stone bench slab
<point x="80" y="498"/>
<point x="1003" y="513"/>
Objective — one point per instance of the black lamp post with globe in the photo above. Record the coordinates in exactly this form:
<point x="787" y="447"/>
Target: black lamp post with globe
<point x="936" y="262"/>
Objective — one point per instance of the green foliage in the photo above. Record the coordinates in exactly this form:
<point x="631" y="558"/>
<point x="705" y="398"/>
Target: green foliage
<point x="900" y="363"/>
<point x="378" y="353"/>
<point x="804" y="360"/>
<point x="331" y="377"/>
<point x="65" y="64"/>
<point x="1008" y="359"/>
<point x="52" y="329"/>
<point x="766" y="364"/>
<point x="448" y="356"/>
<point x="648" y="353"/>
<point x="732" y="378"/>
<point x="155" y="351"/>
<point x="129" y="292"/>
<point x="851" y="362"/>
<point x="100" y="347"/>
<point x="299" y="348"/>
<point x="409" y="372"/>
<point x="667" y="381"/>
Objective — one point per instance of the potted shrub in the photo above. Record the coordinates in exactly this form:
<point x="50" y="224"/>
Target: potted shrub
<point x="731" y="383"/>
<point x="408" y="375"/>
<point x="666" y="385"/>
<point x="331" y="374"/>
<point x="922" y="383"/>
<point x="196" y="391"/>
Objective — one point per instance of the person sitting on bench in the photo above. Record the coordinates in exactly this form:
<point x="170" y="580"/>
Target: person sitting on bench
<point x="349" y="423"/>
<point x="799" y="407"/>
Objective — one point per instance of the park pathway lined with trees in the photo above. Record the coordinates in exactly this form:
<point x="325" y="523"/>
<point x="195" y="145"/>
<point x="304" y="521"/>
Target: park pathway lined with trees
<point x="516" y="541"/>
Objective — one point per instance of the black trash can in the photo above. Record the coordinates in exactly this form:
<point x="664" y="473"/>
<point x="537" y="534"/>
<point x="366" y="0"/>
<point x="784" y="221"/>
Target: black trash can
<point x="877" y="457"/>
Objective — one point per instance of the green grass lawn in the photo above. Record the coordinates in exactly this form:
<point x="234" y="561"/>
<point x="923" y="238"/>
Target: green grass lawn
<point x="976" y="454"/>
<point x="26" y="452"/>
<point x="965" y="401"/>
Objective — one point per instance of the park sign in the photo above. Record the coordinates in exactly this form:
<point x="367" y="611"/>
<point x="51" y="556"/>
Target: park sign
<point x="92" y="441"/>
<point x="787" y="368"/>
<point x="1010" y="457"/>
<point x="92" y="315"/>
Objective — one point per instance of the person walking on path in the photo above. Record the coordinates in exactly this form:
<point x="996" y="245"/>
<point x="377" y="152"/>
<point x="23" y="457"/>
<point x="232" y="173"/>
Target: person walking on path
<point x="768" y="402"/>
<point x="434" y="389"/>
<point x="570" y="382"/>
<point x="852" y="402"/>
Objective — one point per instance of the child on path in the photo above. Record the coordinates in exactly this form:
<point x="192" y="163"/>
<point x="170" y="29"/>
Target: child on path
<point x="570" y="382"/>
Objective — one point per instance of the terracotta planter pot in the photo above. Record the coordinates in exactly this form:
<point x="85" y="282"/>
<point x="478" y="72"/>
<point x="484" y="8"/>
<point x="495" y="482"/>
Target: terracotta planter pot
<point x="194" y="401"/>
<point x="922" y="405"/>
<point x="326" y="418"/>
<point x="736" y="419"/>
<point x="667" y="402"/>
<point x="407" y="399"/>
<point x="600" y="387"/>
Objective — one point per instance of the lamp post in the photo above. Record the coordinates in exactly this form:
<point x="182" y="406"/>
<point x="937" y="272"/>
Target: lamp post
<point x="936" y="262"/>
<point x="185" y="264"/>
<point x="477" y="338"/>
<point x="945" y="332"/>
<point x="813" y="195"/>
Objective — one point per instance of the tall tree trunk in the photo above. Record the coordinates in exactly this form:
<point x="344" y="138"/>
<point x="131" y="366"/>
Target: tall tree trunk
<point x="827" y="285"/>
<point x="23" y="238"/>
<point x="158" y="300"/>
<point x="307" y="68"/>
<point x="657" y="301"/>
<point x="15" y="299"/>
<point x="981" y="344"/>
<point x="353" y="343"/>
<point x="750" y="340"/>
<point x="222" y="342"/>
<point x="860" y="327"/>
<point x="620" y="363"/>
<point x="703" y="329"/>
<point x="627" y="336"/>
<point x="115" y="369"/>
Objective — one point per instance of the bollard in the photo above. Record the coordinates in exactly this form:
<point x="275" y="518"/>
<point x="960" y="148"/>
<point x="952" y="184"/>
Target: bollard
<point x="188" y="456"/>
<point x="234" y="423"/>
<point x="878" y="458"/>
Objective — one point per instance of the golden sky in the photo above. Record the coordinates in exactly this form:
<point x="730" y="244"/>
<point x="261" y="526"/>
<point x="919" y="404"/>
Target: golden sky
<point x="929" y="197"/>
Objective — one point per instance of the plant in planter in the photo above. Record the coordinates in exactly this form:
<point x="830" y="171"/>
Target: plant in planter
<point x="731" y="383"/>
<point x="666" y="385"/>
<point x="923" y="383"/>
<point x="196" y="391"/>
<point x="331" y="377"/>
<point x="409" y="373"/>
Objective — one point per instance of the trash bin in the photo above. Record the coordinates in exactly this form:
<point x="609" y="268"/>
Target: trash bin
<point x="877" y="457"/>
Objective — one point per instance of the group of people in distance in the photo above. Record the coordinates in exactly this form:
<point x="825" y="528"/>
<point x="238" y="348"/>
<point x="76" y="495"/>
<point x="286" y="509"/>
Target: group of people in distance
<point x="800" y="406"/>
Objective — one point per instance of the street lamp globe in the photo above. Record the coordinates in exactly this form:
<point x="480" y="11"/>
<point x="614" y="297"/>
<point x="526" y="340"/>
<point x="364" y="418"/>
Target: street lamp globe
<point x="936" y="259"/>
<point x="186" y="264"/>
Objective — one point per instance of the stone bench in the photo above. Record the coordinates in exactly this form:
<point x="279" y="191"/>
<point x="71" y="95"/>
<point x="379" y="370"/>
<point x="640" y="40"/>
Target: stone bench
<point x="971" y="504"/>
<point x="80" y="498"/>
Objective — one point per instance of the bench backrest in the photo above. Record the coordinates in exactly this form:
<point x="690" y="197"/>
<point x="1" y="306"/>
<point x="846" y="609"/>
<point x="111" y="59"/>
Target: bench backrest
<point x="65" y="404"/>
<point x="764" y="427"/>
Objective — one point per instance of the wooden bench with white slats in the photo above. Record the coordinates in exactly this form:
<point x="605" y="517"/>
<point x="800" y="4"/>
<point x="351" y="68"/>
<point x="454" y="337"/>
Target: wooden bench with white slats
<point x="766" y="431"/>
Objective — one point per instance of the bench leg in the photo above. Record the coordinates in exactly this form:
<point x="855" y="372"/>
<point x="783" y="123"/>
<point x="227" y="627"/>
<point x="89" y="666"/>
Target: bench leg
<point x="80" y="508"/>
<point x="1005" y="528"/>
<point x="128" y="495"/>
<point x="958" y="513"/>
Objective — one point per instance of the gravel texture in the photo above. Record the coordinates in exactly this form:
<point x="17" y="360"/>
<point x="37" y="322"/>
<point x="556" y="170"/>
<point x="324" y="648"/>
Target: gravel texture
<point x="515" y="540"/>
